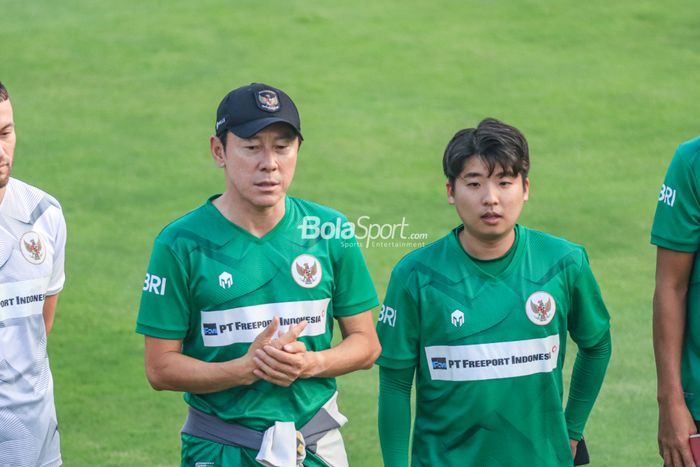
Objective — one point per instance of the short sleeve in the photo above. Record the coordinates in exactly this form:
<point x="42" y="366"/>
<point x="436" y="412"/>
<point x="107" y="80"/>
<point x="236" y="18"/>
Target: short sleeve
<point x="354" y="291"/>
<point x="588" y="319"/>
<point x="398" y="326"/>
<point x="164" y="311"/>
<point x="677" y="219"/>
<point x="57" y="271"/>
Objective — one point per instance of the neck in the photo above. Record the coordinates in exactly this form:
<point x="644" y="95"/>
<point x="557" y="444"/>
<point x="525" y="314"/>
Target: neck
<point x="486" y="249"/>
<point x="255" y="220"/>
<point x="2" y="193"/>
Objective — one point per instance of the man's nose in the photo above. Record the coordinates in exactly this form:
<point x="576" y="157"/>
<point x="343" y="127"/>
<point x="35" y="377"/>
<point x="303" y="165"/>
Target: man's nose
<point x="268" y="159"/>
<point x="490" y="195"/>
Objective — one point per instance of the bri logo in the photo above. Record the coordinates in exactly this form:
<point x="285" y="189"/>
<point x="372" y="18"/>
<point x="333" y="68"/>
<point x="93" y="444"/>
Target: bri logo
<point x="387" y="315"/>
<point x="154" y="284"/>
<point x="667" y="195"/>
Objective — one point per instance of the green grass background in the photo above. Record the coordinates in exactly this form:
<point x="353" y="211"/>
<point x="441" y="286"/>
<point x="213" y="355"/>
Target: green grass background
<point x="114" y="103"/>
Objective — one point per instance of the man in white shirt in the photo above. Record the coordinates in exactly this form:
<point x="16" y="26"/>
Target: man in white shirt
<point x="32" y="244"/>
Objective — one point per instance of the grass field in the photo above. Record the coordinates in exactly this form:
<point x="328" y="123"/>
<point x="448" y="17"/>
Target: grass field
<point x="114" y="103"/>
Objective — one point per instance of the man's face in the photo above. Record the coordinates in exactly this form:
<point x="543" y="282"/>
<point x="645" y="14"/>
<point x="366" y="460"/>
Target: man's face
<point x="489" y="206"/>
<point x="259" y="169"/>
<point x="7" y="141"/>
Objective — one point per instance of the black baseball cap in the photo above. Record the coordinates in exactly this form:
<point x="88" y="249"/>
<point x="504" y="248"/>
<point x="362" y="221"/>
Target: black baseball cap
<point x="248" y="109"/>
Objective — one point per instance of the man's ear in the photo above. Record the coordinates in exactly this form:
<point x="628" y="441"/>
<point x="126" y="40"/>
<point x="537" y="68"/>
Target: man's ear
<point x="526" y="187"/>
<point x="217" y="150"/>
<point x="450" y="192"/>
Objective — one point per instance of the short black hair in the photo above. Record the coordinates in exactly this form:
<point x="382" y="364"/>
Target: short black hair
<point x="495" y="142"/>
<point x="4" y="95"/>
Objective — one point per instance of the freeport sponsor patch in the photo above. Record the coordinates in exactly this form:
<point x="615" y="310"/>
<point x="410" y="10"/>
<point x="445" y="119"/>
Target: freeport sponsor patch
<point x="493" y="361"/>
<point x="243" y="324"/>
<point x="23" y="298"/>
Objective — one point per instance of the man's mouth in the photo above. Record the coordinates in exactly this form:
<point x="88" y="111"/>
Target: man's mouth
<point x="491" y="217"/>
<point x="267" y="184"/>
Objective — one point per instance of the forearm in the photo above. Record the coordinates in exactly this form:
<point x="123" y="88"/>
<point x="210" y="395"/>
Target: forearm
<point x="586" y="381"/>
<point x="395" y="415"/>
<point x="49" y="311"/>
<point x="355" y="352"/>
<point x="174" y="371"/>
<point x="668" y="330"/>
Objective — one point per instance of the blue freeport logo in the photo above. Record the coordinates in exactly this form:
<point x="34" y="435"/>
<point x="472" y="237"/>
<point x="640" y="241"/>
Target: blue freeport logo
<point x="210" y="329"/>
<point x="439" y="363"/>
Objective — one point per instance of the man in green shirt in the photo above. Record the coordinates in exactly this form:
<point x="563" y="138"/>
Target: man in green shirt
<point x="676" y="233"/>
<point x="481" y="317"/>
<point x="238" y="303"/>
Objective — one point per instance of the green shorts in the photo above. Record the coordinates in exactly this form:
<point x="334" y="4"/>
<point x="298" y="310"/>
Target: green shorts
<point x="198" y="452"/>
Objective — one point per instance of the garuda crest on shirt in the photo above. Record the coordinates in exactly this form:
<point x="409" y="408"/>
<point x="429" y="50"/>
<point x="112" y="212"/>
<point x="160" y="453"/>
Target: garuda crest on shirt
<point x="306" y="271"/>
<point x="32" y="247"/>
<point x="541" y="309"/>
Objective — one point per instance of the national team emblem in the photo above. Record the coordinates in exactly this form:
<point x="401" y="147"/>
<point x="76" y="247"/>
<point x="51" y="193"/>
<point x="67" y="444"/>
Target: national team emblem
<point x="33" y="247"/>
<point x="306" y="271"/>
<point x="457" y="318"/>
<point x="540" y="308"/>
<point x="268" y="101"/>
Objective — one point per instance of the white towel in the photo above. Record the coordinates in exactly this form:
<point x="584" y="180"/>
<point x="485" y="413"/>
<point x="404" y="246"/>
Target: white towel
<point x="282" y="446"/>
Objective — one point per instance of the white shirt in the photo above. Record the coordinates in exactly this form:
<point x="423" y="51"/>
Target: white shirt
<point x="32" y="247"/>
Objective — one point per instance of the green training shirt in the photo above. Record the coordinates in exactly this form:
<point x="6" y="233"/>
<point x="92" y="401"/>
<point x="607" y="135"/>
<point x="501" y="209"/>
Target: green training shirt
<point x="677" y="227"/>
<point x="488" y="350"/>
<point x="216" y="287"/>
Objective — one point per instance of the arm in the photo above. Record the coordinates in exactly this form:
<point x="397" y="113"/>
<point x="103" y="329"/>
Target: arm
<point x="675" y="422"/>
<point x="395" y="414"/>
<point x="49" y="311"/>
<point x="168" y="369"/>
<point x="586" y="380"/>
<point x="358" y="350"/>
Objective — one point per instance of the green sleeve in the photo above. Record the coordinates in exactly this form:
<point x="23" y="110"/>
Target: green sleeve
<point x="395" y="415"/>
<point x="677" y="219"/>
<point x="354" y="290"/>
<point x="586" y="380"/>
<point x="398" y="325"/>
<point x="589" y="327"/>
<point x="164" y="311"/>
<point x="588" y="317"/>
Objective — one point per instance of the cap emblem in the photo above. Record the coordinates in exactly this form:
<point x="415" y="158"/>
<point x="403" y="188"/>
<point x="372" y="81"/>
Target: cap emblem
<point x="219" y="123"/>
<point x="268" y="101"/>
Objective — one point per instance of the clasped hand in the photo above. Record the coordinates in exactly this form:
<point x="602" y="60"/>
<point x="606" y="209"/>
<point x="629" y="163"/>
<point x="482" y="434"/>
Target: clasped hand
<point x="283" y="360"/>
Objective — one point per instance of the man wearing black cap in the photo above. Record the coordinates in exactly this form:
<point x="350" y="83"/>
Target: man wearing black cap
<point x="238" y="306"/>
